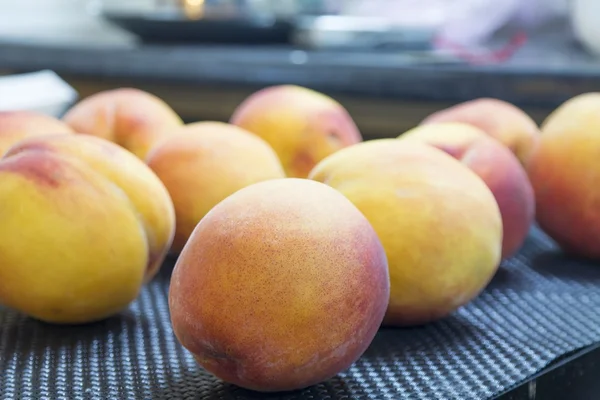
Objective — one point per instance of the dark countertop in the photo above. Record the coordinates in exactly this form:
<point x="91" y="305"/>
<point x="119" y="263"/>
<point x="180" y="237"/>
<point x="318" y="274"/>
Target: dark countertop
<point x="572" y="377"/>
<point x="545" y="72"/>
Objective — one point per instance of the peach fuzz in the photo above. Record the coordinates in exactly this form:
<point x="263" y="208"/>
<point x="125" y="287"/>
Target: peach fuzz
<point x="203" y="163"/>
<point x="303" y="126"/>
<point x="565" y="172"/>
<point x="496" y="165"/>
<point x="439" y="223"/>
<point x="281" y="286"/>
<point x="18" y="125"/>
<point x="499" y="119"/>
<point x="132" y="118"/>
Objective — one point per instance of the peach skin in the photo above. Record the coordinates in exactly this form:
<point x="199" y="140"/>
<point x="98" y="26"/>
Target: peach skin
<point x="281" y="286"/>
<point x="499" y="119"/>
<point x="147" y="193"/>
<point x="132" y="118"/>
<point x="496" y="165"/>
<point x="439" y="223"/>
<point x="303" y="126"/>
<point x="565" y="172"/>
<point x="18" y="125"/>
<point x="204" y="163"/>
<point x="86" y="224"/>
<point x="72" y="248"/>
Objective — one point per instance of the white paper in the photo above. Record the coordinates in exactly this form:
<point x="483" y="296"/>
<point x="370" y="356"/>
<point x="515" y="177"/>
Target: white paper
<point x="42" y="91"/>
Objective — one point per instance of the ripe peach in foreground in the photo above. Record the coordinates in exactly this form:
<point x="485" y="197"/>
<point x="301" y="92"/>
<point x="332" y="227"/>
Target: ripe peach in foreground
<point x="281" y="286"/>
<point x="439" y="223"/>
<point x="302" y="125"/>
<point x="132" y="118"/>
<point x="204" y="163"/>
<point x="496" y="165"/>
<point x="499" y="119"/>
<point x="18" y="125"/>
<point x="85" y="224"/>
<point x="565" y="174"/>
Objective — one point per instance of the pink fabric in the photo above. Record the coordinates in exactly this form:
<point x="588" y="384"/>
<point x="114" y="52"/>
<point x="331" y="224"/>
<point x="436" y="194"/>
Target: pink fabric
<point x="465" y="22"/>
<point x="472" y="22"/>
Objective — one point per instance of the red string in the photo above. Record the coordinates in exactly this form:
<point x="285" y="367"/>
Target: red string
<point x="493" y="56"/>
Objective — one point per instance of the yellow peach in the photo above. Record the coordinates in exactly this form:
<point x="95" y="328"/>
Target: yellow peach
<point x="18" y="125"/>
<point x="72" y="248"/>
<point x="565" y="173"/>
<point x="439" y="223"/>
<point x="132" y="118"/>
<point x="303" y="126"/>
<point x="145" y="190"/>
<point x="499" y="119"/>
<point x="496" y="165"/>
<point x="204" y="163"/>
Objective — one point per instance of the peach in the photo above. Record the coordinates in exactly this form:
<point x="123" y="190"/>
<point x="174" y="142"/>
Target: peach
<point x="18" y="125"/>
<point x="132" y="118"/>
<point x="564" y="172"/>
<point x="86" y="224"/>
<point x="496" y="165"/>
<point x="499" y="119"/>
<point x="302" y="125"/>
<point x="281" y="286"/>
<point x="439" y="223"/>
<point x="204" y="163"/>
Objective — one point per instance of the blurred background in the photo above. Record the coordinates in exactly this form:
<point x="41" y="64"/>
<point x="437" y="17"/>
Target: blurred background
<point x="390" y="62"/>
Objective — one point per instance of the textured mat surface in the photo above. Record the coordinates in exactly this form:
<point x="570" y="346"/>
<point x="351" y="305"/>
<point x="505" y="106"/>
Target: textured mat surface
<point x="539" y="306"/>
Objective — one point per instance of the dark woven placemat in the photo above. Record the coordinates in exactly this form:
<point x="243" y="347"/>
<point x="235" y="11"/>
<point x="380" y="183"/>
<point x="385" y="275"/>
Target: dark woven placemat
<point x="539" y="306"/>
